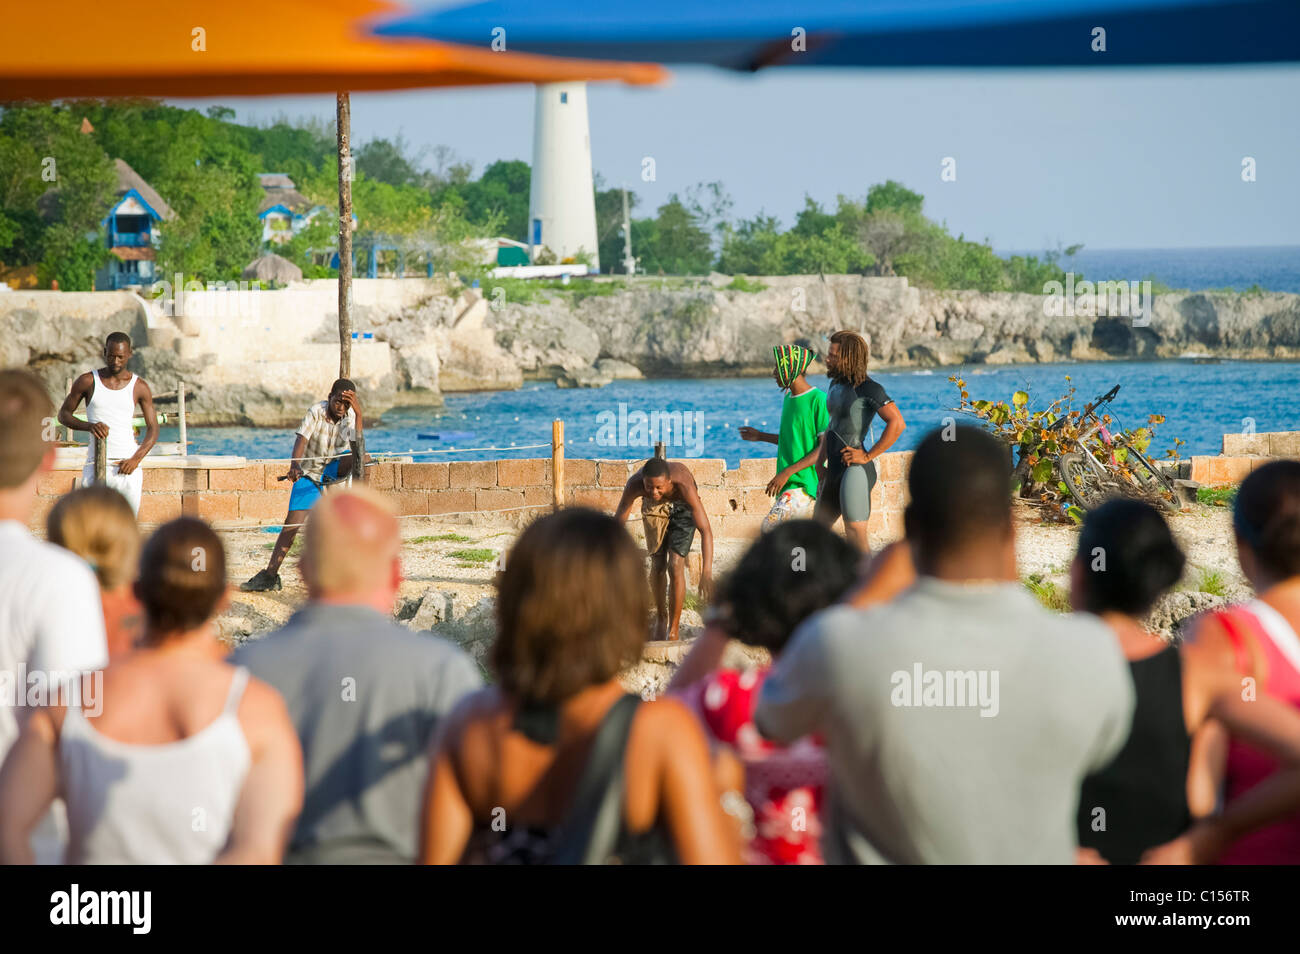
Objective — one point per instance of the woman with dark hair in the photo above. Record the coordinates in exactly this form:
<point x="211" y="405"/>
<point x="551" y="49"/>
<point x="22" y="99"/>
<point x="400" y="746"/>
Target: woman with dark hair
<point x="170" y="755"/>
<point x="1138" y="807"/>
<point x="852" y="401"/>
<point x="557" y="763"/>
<point x="1253" y="653"/>
<point x="787" y="575"/>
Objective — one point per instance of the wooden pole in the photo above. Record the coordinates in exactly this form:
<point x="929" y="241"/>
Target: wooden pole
<point x="180" y="413"/>
<point x="557" y="461"/>
<point x="345" y="234"/>
<point x="659" y="450"/>
<point x="101" y="460"/>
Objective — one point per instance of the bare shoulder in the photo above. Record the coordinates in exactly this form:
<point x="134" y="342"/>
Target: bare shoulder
<point x="667" y="716"/>
<point x="262" y="711"/>
<point x="142" y="389"/>
<point x="474" y="716"/>
<point x="681" y="474"/>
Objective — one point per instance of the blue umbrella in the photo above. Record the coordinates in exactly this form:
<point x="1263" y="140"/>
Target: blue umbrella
<point x="750" y="34"/>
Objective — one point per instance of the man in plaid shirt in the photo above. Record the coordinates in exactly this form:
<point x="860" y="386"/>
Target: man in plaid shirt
<point x="322" y="454"/>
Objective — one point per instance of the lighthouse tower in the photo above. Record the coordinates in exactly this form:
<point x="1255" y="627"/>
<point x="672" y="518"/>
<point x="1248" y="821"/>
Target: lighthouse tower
<point x="562" y="202"/>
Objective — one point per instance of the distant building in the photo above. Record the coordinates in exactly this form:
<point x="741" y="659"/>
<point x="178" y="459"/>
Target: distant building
<point x="131" y="232"/>
<point x="284" y="210"/>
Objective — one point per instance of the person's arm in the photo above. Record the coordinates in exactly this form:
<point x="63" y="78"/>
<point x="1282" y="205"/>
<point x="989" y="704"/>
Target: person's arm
<point x="271" y="799"/>
<point x="29" y="782"/>
<point x="692" y="499"/>
<point x="633" y="490"/>
<point x="1206" y="769"/>
<point x="894" y="426"/>
<point x="446" y="819"/>
<point x="795" y="697"/>
<point x="144" y="397"/>
<point x="751" y="434"/>
<point x="80" y="388"/>
<point x="705" y="656"/>
<point x="891" y="571"/>
<point x="690" y="803"/>
<point x="299" y="448"/>
<point x="1214" y="692"/>
<point x="811" y="459"/>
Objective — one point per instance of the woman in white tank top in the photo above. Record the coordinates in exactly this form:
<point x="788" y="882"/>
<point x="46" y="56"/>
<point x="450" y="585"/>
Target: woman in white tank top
<point x="170" y="755"/>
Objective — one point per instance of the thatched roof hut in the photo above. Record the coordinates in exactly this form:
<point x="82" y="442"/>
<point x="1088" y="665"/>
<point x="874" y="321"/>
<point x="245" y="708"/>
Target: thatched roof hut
<point x="273" y="268"/>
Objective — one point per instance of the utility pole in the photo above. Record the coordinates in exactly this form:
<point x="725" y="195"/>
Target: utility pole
<point x="629" y="263"/>
<point x="345" y="235"/>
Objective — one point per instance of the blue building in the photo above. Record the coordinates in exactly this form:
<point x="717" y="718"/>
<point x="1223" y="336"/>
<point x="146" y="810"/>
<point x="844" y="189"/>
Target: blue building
<point x="131" y="231"/>
<point x="284" y="211"/>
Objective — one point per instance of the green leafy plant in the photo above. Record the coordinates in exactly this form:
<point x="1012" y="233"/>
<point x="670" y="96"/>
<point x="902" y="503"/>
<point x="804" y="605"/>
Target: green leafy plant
<point x="442" y="538"/>
<point x="1051" y="596"/>
<point x="474" y="557"/>
<point x="742" y="284"/>
<point x="1216" y="496"/>
<point x="1042" y="436"/>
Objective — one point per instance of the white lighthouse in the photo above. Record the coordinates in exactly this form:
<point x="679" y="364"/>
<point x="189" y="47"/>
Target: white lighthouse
<point x="562" y="201"/>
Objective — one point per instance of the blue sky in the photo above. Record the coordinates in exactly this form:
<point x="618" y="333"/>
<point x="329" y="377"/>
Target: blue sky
<point x="1134" y="158"/>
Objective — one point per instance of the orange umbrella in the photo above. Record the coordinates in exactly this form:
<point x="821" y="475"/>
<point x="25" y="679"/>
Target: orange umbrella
<point x="84" y="48"/>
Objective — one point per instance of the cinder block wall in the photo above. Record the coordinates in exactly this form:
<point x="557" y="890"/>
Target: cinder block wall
<point x="736" y="500"/>
<point x="1243" y="453"/>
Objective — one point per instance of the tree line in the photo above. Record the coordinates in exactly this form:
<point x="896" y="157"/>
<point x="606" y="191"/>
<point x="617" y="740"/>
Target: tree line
<point x="205" y="166"/>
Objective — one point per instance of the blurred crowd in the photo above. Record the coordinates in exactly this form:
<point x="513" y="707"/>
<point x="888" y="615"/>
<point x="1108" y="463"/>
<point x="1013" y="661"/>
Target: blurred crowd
<point x="920" y="705"/>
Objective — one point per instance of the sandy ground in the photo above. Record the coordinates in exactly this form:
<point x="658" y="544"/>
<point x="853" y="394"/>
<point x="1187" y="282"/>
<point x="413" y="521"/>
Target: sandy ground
<point x="453" y="596"/>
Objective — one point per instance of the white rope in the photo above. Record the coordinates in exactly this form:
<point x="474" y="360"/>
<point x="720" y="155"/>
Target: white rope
<point x="398" y="453"/>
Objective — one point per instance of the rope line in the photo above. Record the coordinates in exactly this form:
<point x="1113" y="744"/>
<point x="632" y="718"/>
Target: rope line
<point x="397" y="453"/>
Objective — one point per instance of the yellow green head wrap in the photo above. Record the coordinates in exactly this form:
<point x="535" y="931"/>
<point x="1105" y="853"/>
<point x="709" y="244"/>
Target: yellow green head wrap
<point x="791" y="361"/>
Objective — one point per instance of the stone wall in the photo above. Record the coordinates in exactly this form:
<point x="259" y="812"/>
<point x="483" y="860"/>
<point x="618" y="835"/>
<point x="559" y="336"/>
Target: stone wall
<point x="250" y="495"/>
<point x="1243" y="453"/>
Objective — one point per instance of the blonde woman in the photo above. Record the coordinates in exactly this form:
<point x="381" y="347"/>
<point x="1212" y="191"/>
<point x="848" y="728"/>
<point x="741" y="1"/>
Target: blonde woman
<point x="98" y="525"/>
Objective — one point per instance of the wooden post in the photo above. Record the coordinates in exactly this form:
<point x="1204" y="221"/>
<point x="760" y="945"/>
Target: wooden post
<point x="180" y="413"/>
<point x="659" y="450"/>
<point x="67" y="389"/>
<point x="557" y="461"/>
<point x="344" y="120"/>
<point x="101" y="460"/>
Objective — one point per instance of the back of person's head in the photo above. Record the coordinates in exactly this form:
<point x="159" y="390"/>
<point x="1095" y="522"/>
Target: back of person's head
<point x="960" y="486"/>
<point x="352" y="546"/>
<point x="572" y="607"/>
<point x="789" y="573"/>
<point x="854" y="356"/>
<point x="26" y="410"/>
<point x="1127" y="558"/>
<point x="98" y="525"/>
<point x="341" y="385"/>
<point x="182" y="577"/>
<point x="655" y="467"/>
<point x="1266" y="517"/>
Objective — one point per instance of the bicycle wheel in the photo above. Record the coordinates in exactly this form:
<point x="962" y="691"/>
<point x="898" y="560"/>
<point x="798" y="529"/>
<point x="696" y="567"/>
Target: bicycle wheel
<point x="1082" y="481"/>
<point x="1155" y="481"/>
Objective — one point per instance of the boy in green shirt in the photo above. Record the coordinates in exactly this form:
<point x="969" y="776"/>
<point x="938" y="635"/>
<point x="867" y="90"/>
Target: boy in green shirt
<point x="804" y="421"/>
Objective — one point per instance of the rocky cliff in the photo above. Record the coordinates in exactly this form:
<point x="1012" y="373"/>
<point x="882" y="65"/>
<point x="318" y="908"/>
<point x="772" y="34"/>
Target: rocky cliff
<point x="426" y="339"/>
<point x="707" y="329"/>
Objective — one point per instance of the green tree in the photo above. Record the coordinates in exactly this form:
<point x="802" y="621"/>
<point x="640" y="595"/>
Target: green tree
<point x="673" y="243"/>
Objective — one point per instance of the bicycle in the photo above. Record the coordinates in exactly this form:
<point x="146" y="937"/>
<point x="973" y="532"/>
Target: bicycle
<point x="1091" y="482"/>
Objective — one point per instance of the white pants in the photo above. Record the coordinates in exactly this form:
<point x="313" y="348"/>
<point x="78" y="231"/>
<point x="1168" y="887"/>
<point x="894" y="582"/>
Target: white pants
<point x="129" y="485"/>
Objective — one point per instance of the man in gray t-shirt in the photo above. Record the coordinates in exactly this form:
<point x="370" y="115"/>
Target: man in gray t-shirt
<point x="365" y="694"/>
<point x="961" y="717"/>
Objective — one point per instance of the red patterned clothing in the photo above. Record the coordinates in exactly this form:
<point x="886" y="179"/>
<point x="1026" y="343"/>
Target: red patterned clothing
<point x="784" y="785"/>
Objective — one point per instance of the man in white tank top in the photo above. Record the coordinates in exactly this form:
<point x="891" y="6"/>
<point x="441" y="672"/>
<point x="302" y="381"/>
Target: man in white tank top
<point x="112" y="393"/>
